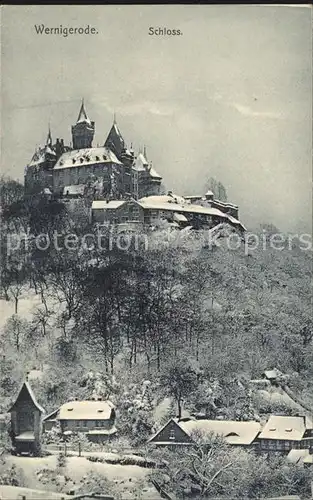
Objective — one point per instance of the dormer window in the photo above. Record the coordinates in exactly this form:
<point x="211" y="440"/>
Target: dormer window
<point x="100" y="411"/>
<point x="81" y="160"/>
<point x="70" y="409"/>
<point x="231" y="434"/>
<point x="273" y="429"/>
<point x="97" y="158"/>
<point x="105" y="157"/>
<point x="288" y="430"/>
<point x="73" y="160"/>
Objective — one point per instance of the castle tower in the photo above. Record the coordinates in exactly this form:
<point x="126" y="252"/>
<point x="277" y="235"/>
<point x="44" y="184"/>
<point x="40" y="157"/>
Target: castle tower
<point x="83" y="131"/>
<point x="115" y="141"/>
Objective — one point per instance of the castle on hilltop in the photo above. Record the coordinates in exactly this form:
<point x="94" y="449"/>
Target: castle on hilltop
<point x="111" y="171"/>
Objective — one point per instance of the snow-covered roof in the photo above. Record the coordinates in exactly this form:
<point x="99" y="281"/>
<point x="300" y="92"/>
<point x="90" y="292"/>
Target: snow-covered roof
<point x="142" y="165"/>
<point x="272" y="374"/>
<point x="86" y="410"/>
<point x="284" y="428"/>
<point x="141" y="162"/>
<point x="83" y="157"/>
<point x="38" y="157"/>
<point x="241" y="433"/>
<point x="49" y="150"/>
<point x="177" y="207"/>
<point x="164" y="198"/>
<point x="107" y="205"/>
<point x="154" y="173"/>
<point x="74" y="189"/>
<point x="115" y="140"/>
<point x="26" y="386"/>
<point x="103" y="432"/>
<point x="179" y="217"/>
<point x="209" y="193"/>
<point x="297" y="456"/>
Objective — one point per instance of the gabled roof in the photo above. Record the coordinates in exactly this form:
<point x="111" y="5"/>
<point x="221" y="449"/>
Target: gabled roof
<point x="82" y="116"/>
<point x="171" y="420"/>
<point x="241" y="433"/>
<point x="284" y="427"/>
<point x="153" y="173"/>
<point x="87" y="156"/>
<point x="115" y="140"/>
<point x="26" y="385"/>
<point x="86" y="410"/>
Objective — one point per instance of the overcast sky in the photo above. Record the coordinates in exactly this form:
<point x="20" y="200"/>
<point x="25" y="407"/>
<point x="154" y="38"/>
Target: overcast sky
<point x="230" y="98"/>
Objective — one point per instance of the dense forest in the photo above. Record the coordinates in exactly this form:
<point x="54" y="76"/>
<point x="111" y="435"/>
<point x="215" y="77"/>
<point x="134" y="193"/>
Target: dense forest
<point x="193" y="321"/>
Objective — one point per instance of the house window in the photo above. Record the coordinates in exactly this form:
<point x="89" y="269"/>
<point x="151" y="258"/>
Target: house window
<point x="287" y="445"/>
<point x="84" y="423"/>
<point x="172" y="435"/>
<point x="272" y="445"/>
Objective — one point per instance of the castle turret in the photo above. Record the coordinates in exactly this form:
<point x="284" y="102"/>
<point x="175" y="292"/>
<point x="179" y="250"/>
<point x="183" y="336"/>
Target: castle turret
<point x="83" y="131"/>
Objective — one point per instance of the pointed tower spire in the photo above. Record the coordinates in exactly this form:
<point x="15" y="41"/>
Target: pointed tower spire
<point x="83" y="117"/>
<point x="114" y="118"/>
<point x="49" y="137"/>
<point x="145" y="151"/>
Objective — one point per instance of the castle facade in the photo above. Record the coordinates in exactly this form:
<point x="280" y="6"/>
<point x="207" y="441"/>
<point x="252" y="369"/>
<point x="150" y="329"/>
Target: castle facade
<point x="111" y="171"/>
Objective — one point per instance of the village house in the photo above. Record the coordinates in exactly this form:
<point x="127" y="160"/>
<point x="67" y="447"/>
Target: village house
<point x="284" y="433"/>
<point x="95" y="418"/>
<point x="26" y="421"/>
<point x="180" y="432"/>
<point x="274" y="376"/>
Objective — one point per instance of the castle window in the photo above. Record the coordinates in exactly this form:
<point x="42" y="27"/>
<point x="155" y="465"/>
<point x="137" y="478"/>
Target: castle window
<point x="105" y="157"/>
<point x="73" y="160"/>
<point x="97" y="158"/>
<point x="81" y="160"/>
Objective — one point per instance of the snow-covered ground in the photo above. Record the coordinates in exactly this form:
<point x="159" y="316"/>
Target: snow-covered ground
<point x="15" y="492"/>
<point x="125" y="476"/>
<point x="26" y="305"/>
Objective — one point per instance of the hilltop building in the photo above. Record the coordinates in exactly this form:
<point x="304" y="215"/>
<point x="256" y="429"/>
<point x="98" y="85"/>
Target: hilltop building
<point x="150" y="210"/>
<point x="111" y="171"/>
